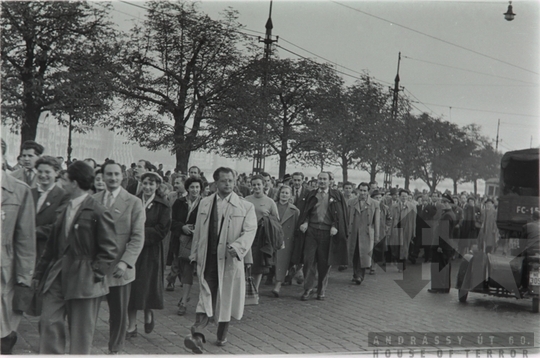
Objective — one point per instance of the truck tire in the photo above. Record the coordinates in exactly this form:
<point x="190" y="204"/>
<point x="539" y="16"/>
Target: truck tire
<point x="535" y="304"/>
<point x="463" y="294"/>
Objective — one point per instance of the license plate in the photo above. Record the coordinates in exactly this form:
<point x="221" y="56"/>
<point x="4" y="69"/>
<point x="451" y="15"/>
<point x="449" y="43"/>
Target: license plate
<point x="534" y="277"/>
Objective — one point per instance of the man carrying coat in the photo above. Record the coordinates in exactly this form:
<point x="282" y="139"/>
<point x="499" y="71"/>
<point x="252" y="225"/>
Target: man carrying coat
<point x="76" y="260"/>
<point x="324" y="220"/>
<point x="18" y="253"/>
<point x="129" y="218"/>
<point x="364" y="216"/>
<point x="224" y="231"/>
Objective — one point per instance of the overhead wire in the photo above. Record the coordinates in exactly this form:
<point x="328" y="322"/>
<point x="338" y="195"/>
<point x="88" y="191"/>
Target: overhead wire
<point x="435" y="38"/>
<point x="467" y="70"/>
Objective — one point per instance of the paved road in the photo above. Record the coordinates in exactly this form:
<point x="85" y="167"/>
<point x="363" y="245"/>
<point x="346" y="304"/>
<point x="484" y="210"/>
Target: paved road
<point x="338" y="325"/>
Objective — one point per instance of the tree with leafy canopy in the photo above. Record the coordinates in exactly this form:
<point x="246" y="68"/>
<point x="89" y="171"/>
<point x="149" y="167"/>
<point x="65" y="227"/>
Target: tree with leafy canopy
<point x="175" y="68"/>
<point x="278" y="114"/>
<point x="53" y="58"/>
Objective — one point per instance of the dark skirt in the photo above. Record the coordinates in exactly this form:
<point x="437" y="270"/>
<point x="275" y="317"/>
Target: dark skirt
<point x="185" y="271"/>
<point x="147" y="289"/>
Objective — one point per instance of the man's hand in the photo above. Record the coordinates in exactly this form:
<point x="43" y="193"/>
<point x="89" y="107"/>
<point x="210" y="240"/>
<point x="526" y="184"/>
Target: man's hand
<point x="120" y="269"/>
<point x="303" y="227"/>
<point x="333" y="231"/>
<point x="232" y="252"/>
<point x="187" y="230"/>
<point x="439" y="250"/>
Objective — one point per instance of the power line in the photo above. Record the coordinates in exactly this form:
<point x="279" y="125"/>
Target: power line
<point x="464" y="69"/>
<point x="436" y="38"/>
<point x="483" y="110"/>
<point x="419" y="101"/>
<point x="306" y="58"/>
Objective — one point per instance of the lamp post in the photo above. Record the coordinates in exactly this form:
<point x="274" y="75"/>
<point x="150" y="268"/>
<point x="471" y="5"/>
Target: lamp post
<point x="509" y="14"/>
<point x="259" y="157"/>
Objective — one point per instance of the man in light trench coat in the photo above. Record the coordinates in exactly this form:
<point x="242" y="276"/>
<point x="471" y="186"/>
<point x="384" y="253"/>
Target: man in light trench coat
<point x="224" y="231"/>
<point x="364" y="216"/>
<point x="18" y="252"/>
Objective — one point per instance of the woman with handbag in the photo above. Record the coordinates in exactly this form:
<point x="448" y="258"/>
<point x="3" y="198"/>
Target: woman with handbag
<point x="184" y="214"/>
<point x="147" y="289"/>
<point x="264" y="206"/>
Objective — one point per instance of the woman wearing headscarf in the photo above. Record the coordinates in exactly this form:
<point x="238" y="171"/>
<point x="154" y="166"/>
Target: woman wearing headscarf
<point x="147" y="289"/>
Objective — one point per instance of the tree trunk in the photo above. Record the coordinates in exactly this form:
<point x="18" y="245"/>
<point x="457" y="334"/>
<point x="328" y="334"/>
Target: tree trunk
<point x="373" y="172"/>
<point x="344" y="168"/>
<point x="282" y="163"/>
<point x="407" y="182"/>
<point x="455" y="186"/>
<point x="182" y="159"/>
<point x="475" y="187"/>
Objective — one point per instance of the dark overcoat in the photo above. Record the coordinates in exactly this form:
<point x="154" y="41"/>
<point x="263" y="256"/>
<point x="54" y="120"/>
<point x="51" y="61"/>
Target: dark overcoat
<point x="147" y="289"/>
<point x="337" y="207"/>
<point x="57" y="199"/>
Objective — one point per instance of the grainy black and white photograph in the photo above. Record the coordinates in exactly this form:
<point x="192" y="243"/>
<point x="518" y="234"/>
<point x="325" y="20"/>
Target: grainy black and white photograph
<point x="270" y="177"/>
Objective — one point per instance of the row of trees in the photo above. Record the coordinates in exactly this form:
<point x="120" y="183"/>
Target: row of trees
<point x="184" y="82"/>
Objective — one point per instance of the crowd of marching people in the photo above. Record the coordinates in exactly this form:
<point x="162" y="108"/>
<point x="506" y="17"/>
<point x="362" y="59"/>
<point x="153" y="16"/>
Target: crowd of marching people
<point x="76" y="234"/>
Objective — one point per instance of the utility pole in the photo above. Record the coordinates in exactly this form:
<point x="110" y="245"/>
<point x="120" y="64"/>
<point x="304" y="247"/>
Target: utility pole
<point x="259" y="158"/>
<point x="530" y="146"/>
<point x="497" y="139"/>
<point x="395" y="100"/>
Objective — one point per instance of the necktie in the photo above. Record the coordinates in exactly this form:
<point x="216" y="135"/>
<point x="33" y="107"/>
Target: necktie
<point x="29" y="176"/>
<point x="296" y="196"/>
<point x="110" y="199"/>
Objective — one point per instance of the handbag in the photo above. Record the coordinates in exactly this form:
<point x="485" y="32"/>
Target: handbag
<point x="252" y="296"/>
<point x="185" y="246"/>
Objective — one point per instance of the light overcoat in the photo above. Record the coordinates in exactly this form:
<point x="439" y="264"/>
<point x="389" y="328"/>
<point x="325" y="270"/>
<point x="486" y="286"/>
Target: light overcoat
<point x="365" y="237"/>
<point x="238" y="231"/>
<point x="18" y="245"/>
<point x="129" y="217"/>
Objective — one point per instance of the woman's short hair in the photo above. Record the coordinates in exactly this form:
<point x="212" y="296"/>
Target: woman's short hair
<point x="48" y="160"/>
<point x="192" y="180"/>
<point x="284" y="186"/>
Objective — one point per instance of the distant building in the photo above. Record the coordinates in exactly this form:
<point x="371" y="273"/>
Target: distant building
<point x="492" y="187"/>
<point x="99" y="143"/>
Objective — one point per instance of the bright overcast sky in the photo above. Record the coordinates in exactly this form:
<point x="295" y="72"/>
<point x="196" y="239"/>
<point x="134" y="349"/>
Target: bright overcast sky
<point x="461" y="60"/>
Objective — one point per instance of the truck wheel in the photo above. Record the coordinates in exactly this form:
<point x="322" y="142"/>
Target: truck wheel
<point x="463" y="294"/>
<point x="536" y="303"/>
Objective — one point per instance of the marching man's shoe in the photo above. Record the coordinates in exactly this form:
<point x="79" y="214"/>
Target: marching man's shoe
<point x="221" y="342"/>
<point x="195" y="342"/>
<point x="306" y="296"/>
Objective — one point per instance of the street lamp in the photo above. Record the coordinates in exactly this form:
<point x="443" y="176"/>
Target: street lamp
<point x="509" y="15"/>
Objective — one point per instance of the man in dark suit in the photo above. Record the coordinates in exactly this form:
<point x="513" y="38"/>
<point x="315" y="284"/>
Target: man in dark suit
<point x="425" y="211"/>
<point x="72" y="269"/>
<point x="30" y="152"/>
<point x="299" y="194"/>
<point x="134" y="186"/>
<point x="48" y="199"/>
<point x="129" y="218"/>
<point x="268" y="186"/>
<point x="324" y="220"/>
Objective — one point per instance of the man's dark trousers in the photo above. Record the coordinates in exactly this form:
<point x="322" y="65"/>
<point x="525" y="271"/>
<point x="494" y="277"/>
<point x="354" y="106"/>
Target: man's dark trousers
<point x="316" y="250"/>
<point x="118" y="300"/>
